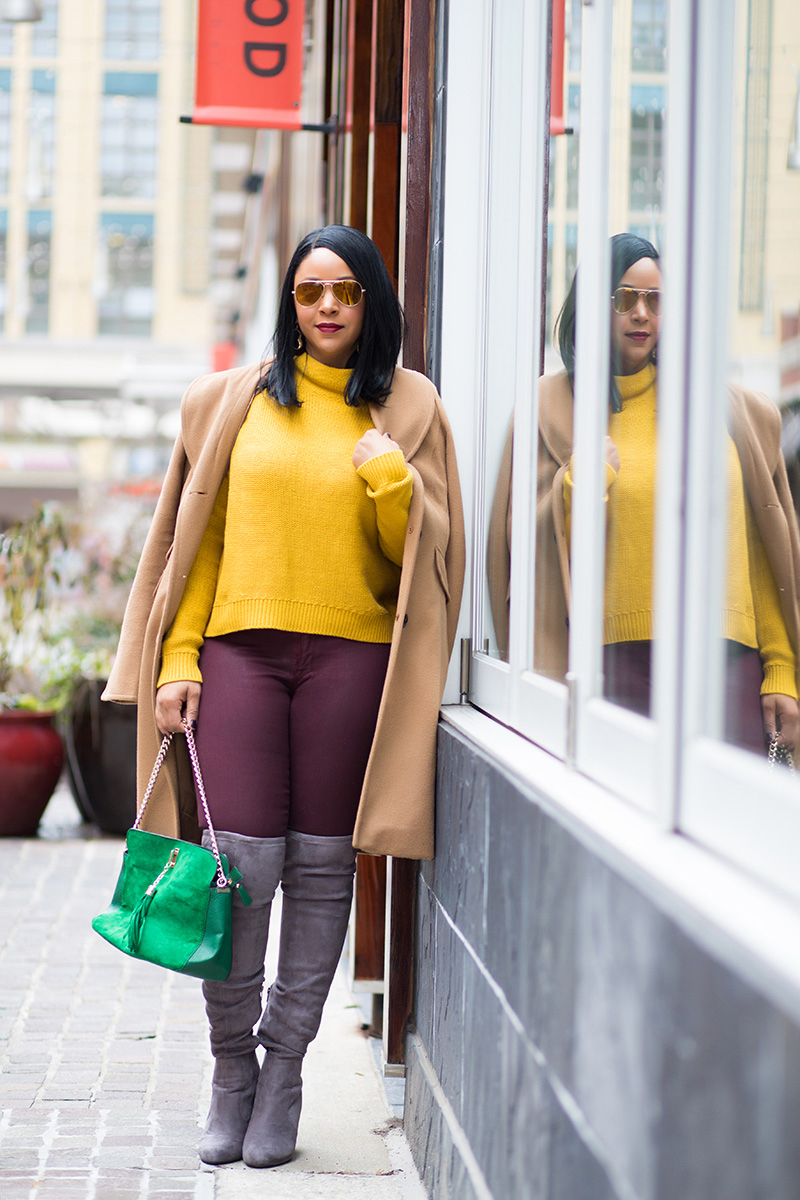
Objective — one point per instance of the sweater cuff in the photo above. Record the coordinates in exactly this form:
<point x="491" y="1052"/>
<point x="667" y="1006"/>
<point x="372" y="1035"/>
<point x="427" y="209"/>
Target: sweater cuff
<point x="384" y="469"/>
<point x="779" y="678"/>
<point x="179" y="666"/>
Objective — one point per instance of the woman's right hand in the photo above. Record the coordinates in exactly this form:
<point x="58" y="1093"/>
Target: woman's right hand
<point x="611" y="454"/>
<point x="176" y="702"/>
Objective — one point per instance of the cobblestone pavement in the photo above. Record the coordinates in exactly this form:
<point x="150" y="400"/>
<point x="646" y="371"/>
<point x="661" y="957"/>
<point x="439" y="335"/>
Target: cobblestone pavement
<point x="105" y="1068"/>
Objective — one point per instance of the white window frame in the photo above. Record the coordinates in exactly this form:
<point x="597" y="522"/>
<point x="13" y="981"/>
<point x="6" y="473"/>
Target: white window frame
<point x="678" y="776"/>
<point x="731" y="802"/>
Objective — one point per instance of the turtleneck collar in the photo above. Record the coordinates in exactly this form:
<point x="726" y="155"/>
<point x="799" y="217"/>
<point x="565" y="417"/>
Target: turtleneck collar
<point x="632" y="386"/>
<point x="328" y="379"/>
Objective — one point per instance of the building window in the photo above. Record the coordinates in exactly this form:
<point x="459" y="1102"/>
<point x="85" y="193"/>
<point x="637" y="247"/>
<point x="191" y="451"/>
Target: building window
<point x="573" y="143"/>
<point x="129" y="134"/>
<point x="649" y="35"/>
<point x="133" y="29"/>
<point x="646" y="164"/>
<point x="574" y="35"/>
<point x="40" y="227"/>
<point x="756" y="156"/>
<point x="41" y="135"/>
<point x="45" y="32"/>
<point x="125" y="274"/>
<point x="5" y="129"/>
<point x="3" y="260"/>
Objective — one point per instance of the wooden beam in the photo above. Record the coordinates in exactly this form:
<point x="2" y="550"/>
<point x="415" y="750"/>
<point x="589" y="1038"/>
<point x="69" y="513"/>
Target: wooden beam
<point x="418" y="115"/>
<point x="386" y="114"/>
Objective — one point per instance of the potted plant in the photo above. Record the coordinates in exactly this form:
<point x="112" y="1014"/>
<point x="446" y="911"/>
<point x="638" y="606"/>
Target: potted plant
<point x="64" y="580"/>
<point x="31" y="685"/>
<point x="105" y="545"/>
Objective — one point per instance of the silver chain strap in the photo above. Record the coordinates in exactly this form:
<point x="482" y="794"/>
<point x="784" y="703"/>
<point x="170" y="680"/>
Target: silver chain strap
<point x="779" y="754"/>
<point x="222" y="879"/>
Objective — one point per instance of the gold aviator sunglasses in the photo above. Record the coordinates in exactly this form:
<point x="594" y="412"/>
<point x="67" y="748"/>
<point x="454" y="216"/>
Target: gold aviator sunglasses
<point x="625" y="299"/>
<point x="347" y="291"/>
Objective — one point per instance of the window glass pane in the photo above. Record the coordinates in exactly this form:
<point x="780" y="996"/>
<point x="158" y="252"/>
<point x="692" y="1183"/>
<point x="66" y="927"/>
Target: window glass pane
<point x="41" y="135"/>
<point x="503" y="269"/>
<point x="636" y="216"/>
<point x="755" y="675"/>
<point x="129" y="134"/>
<point x="5" y="128"/>
<point x="45" y="32"/>
<point x="125" y="274"/>
<point x="37" y="266"/>
<point x="550" y="615"/>
<point x="551" y="624"/>
<point x="3" y="260"/>
<point x="132" y="29"/>
<point x="649" y="35"/>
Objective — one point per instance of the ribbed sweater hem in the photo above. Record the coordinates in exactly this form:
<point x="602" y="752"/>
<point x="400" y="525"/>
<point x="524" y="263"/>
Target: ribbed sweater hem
<point x="779" y="678"/>
<point x="628" y="627"/>
<point x="739" y="627"/>
<point x="299" y="616"/>
<point x="638" y="627"/>
<point x="179" y="666"/>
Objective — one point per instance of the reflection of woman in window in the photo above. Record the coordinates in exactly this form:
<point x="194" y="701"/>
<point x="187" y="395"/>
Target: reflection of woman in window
<point x="760" y="620"/>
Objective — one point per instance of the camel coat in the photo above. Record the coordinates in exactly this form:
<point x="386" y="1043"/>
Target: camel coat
<point x="396" y="811"/>
<point x="755" y="427"/>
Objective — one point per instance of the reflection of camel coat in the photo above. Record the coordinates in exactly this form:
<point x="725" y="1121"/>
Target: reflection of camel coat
<point x="755" y="427"/>
<point x="395" y="815"/>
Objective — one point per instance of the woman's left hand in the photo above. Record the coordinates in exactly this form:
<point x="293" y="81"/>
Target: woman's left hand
<point x="781" y="713"/>
<point x="371" y="445"/>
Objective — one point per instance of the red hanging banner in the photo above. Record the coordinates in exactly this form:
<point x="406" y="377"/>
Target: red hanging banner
<point x="249" y="63"/>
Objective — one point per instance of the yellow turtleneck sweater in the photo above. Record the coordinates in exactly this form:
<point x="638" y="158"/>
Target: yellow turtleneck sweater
<point x="298" y="539"/>
<point x="752" y="614"/>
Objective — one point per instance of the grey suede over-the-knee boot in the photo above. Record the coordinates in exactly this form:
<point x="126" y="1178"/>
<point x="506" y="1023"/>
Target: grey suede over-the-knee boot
<point x="234" y="1006"/>
<point x="317" y="888"/>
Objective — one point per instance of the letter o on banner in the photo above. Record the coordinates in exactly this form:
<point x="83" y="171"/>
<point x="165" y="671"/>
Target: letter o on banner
<point x="249" y="63"/>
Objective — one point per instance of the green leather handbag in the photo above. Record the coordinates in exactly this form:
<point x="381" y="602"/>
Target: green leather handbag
<point x="172" y="902"/>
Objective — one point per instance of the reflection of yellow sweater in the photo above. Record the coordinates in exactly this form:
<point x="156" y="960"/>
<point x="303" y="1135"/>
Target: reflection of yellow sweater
<point x="298" y="539"/>
<point x="752" y="614"/>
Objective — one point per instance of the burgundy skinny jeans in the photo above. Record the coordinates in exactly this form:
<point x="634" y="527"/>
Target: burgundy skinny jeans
<point x="284" y="730"/>
<point x="626" y="667"/>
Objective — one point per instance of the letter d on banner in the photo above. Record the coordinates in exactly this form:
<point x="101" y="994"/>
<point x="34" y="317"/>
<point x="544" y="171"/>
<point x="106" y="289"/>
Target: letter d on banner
<point x="249" y="63"/>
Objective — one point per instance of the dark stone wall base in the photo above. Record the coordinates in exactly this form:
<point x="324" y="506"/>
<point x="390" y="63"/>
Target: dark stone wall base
<point x="571" y="1041"/>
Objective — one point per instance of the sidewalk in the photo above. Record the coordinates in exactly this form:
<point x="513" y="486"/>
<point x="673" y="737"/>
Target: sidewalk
<point x="105" y="1070"/>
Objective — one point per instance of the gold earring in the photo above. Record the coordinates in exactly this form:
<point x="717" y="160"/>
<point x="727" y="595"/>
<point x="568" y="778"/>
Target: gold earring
<point x="298" y="345"/>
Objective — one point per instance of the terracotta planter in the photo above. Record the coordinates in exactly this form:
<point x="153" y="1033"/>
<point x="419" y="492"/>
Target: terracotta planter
<point x="31" y="758"/>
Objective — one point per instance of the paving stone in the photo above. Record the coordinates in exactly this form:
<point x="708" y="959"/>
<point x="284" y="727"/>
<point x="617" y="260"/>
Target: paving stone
<point x="105" y="1069"/>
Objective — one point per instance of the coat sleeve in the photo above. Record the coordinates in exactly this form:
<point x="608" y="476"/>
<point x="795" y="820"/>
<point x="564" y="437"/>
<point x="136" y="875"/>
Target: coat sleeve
<point x="498" y="547"/>
<point x="456" y="555"/>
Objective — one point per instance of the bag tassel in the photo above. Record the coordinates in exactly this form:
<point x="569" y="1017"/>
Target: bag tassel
<point x="138" y="918"/>
<point x="139" y="914"/>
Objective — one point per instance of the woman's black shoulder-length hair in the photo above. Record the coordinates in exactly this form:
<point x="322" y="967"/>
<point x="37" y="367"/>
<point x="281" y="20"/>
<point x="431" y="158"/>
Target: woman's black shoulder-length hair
<point x="626" y="249"/>
<point x="373" y="361"/>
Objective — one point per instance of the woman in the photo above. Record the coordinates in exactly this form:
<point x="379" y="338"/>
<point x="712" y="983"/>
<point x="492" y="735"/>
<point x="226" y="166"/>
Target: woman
<point x="760" y="620"/>
<point x="297" y="598"/>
